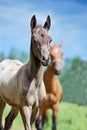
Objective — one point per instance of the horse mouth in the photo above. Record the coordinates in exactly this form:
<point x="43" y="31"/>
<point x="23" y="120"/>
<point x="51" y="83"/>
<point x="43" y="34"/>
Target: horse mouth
<point x="45" y="62"/>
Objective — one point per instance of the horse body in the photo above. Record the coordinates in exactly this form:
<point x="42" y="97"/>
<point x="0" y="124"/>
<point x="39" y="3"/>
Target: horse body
<point x="8" y="84"/>
<point x="21" y="85"/>
<point x="53" y="88"/>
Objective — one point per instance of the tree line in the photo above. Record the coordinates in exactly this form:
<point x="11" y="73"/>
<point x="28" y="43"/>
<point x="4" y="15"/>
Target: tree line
<point x="15" y="54"/>
<point x="74" y="81"/>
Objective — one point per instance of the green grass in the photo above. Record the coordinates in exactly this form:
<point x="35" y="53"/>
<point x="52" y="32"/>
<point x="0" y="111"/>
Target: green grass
<point x="17" y="124"/>
<point x="70" y="117"/>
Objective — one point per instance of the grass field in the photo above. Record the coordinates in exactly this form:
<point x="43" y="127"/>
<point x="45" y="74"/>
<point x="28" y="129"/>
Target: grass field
<point x="70" y="117"/>
<point x="17" y="124"/>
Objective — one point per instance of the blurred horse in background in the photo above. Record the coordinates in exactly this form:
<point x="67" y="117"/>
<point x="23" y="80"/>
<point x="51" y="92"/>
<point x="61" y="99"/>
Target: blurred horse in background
<point x="53" y="88"/>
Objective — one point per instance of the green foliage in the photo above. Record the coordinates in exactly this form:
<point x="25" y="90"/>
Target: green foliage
<point x="23" y="57"/>
<point x="2" y="56"/>
<point x="76" y="62"/>
<point x="15" y="54"/>
<point x="74" y="81"/>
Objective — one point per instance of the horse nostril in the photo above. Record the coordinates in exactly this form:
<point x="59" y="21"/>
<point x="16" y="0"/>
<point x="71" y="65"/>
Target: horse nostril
<point x="57" y="71"/>
<point x="44" y="58"/>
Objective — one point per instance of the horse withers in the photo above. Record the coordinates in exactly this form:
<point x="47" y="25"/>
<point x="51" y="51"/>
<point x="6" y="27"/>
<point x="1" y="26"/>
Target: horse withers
<point x="21" y="85"/>
<point x="53" y="88"/>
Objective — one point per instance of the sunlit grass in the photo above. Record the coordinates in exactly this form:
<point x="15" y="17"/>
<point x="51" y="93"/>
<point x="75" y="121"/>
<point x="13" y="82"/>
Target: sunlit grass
<point x="70" y="117"/>
<point x="17" y="124"/>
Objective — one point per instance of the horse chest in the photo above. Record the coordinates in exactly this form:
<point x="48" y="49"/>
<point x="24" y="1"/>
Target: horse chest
<point x="30" y="93"/>
<point x="51" y="87"/>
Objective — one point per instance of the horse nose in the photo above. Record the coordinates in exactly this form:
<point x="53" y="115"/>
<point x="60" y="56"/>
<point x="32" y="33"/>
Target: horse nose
<point x="57" y="71"/>
<point x="45" y="60"/>
<point x="45" y="56"/>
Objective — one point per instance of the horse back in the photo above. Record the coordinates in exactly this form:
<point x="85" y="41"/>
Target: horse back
<point x="8" y="80"/>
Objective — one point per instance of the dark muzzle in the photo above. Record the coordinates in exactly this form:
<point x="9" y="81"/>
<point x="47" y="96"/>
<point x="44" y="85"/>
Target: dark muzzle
<point x="45" y="60"/>
<point x="57" y="71"/>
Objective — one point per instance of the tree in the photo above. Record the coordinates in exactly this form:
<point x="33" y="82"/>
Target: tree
<point x="14" y="54"/>
<point x="74" y="81"/>
<point x="76" y="62"/>
<point x="2" y="56"/>
<point x="18" y="55"/>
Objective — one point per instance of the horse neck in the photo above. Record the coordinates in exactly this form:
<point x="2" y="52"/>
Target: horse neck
<point x="35" y="68"/>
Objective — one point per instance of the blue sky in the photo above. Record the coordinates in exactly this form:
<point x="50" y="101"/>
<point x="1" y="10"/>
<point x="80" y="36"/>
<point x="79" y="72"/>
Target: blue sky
<point x="69" y="24"/>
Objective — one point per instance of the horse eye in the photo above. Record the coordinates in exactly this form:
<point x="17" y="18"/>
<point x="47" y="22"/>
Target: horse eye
<point x="50" y="40"/>
<point x="42" y="35"/>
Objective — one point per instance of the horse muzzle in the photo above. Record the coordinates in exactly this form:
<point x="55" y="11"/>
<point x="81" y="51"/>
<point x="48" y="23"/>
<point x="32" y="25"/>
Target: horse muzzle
<point x="57" y="71"/>
<point x="45" y="60"/>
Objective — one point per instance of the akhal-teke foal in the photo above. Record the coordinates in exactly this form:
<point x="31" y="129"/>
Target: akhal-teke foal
<point x="53" y="88"/>
<point x="21" y="85"/>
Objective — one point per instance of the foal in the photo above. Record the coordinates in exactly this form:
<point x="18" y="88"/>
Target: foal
<point x="53" y="88"/>
<point x="21" y="85"/>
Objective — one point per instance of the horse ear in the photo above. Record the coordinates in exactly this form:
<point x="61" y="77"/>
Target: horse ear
<point x="47" y="23"/>
<point x="61" y="43"/>
<point x="33" y="22"/>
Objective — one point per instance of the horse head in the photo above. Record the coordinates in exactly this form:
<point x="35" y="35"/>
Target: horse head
<point x="56" y="58"/>
<point x="41" y="40"/>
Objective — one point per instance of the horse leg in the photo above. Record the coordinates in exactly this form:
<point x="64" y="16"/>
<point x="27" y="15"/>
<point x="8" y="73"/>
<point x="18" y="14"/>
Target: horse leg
<point x="50" y="98"/>
<point x="38" y="123"/>
<point x="41" y="119"/>
<point x="55" y="110"/>
<point x="2" y="106"/>
<point x="26" y="115"/>
<point x="9" y="119"/>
